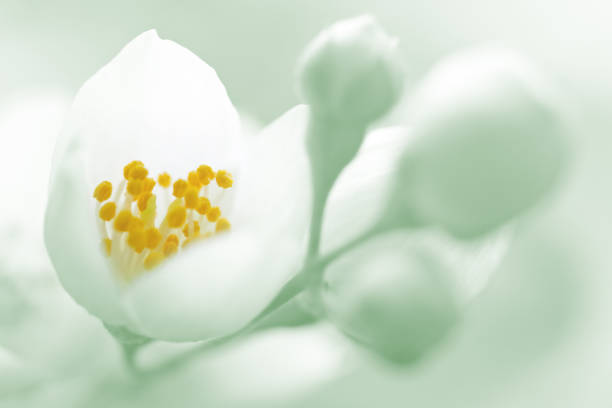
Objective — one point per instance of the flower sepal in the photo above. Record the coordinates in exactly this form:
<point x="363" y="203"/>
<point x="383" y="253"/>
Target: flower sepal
<point x="126" y="337"/>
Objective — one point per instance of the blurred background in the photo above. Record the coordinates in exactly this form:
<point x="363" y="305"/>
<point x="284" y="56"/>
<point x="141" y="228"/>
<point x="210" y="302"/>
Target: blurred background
<point x="253" y="45"/>
<point x="539" y="336"/>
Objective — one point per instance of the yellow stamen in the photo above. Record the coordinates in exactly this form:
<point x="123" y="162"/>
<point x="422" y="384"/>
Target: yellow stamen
<point x="203" y="205"/>
<point x="128" y="168"/>
<point x="172" y="238"/>
<point x="194" y="179"/>
<point x="143" y="200"/>
<point x="134" y="187"/>
<point x="148" y="185"/>
<point x="180" y="187"/>
<point x="138" y="172"/>
<point x="164" y="180"/>
<point x="153" y="237"/>
<point x="213" y="214"/>
<point x="191" y="197"/>
<point x="107" y="246"/>
<point x="148" y="215"/>
<point x="205" y="173"/>
<point x="176" y="216"/>
<point x="103" y="191"/>
<point x="195" y="227"/>
<point x="107" y="212"/>
<point x="148" y="240"/>
<point x="224" y="179"/>
<point x="122" y="220"/>
<point x="171" y="245"/>
<point x="222" y="225"/>
<point x="153" y="259"/>
<point x="137" y="239"/>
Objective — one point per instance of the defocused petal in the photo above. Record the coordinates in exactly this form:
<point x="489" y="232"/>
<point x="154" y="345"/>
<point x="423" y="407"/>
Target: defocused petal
<point x="362" y="193"/>
<point x="268" y="368"/>
<point x="362" y="190"/>
<point x="392" y="295"/>
<point x="16" y="375"/>
<point x="30" y="121"/>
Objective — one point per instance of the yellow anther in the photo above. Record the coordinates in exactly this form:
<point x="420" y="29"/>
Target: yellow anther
<point x="108" y="245"/>
<point x="224" y="179"/>
<point x="153" y="259"/>
<point x="137" y="239"/>
<point x="171" y="245"/>
<point x="135" y="223"/>
<point x="203" y="205"/>
<point x="144" y="232"/>
<point x="195" y="227"/>
<point x="129" y="166"/>
<point x="194" y="179"/>
<point x="107" y="212"/>
<point x="103" y="191"/>
<point x="153" y="237"/>
<point x="176" y="216"/>
<point x="138" y="172"/>
<point x="143" y="201"/>
<point x="173" y="238"/>
<point x="134" y="187"/>
<point x="148" y="185"/>
<point x="213" y="214"/>
<point x="164" y="180"/>
<point x="222" y="225"/>
<point x="205" y="174"/>
<point x="122" y="221"/>
<point x="148" y="215"/>
<point x="191" y="197"/>
<point x="180" y="187"/>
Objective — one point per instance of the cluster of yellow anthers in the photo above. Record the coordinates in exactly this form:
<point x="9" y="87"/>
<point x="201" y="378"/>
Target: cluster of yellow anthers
<point x="127" y="222"/>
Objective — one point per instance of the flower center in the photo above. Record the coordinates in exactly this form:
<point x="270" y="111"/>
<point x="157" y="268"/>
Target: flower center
<point x="132" y="237"/>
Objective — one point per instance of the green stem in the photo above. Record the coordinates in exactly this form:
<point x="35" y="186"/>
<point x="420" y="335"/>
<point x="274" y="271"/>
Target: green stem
<point x="129" y="352"/>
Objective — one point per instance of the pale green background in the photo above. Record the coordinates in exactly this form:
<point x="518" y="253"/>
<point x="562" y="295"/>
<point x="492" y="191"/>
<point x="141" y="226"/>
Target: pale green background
<point x="254" y="44"/>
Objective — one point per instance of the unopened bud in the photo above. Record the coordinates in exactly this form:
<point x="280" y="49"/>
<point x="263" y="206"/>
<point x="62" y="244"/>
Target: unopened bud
<point x="350" y="71"/>
<point x="488" y="143"/>
<point x="395" y="300"/>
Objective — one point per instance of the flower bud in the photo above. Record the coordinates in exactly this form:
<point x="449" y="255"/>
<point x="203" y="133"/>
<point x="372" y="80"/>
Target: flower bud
<point x="390" y="297"/>
<point x="488" y="143"/>
<point x="350" y="71"/>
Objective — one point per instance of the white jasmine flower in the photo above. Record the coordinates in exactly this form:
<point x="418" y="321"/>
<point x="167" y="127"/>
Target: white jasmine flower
<point x="155" y="138"/>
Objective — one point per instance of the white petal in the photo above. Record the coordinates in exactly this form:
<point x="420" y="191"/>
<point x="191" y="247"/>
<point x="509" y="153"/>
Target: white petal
<point x="360" y="195"/>
<point x="74" y="244"/>
<point x="30" y="121"/>
<point x="212" y="289"/>
<point x="156" y="102"/>
<point x="277" y="188"/>
<point x="280" y="365"/>
<point x="217" y="286"/>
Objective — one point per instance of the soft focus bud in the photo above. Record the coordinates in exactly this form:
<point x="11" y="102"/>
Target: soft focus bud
<point x="350" y="77"/>
<point x="391" y="297"/>
<point x="488" y="143"/>
<point x="350" y="71"/>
